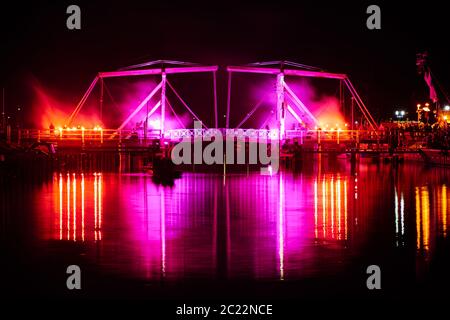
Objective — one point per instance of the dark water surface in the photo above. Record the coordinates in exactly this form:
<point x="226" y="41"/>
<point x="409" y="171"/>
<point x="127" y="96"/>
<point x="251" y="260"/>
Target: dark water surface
<point x="289" y="235"/>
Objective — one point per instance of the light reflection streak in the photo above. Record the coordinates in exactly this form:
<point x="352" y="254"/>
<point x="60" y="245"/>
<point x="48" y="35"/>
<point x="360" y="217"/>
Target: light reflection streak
<point x="332" y="205"/>
<point x="60" y="206"/>
<point x="402" y="214"/>
<point x="324" y="208"/>
<point x="338" y="201"/>
<point x="316" y="234"/>
<point x="68" y="207"/>
<point x="399" y="212"/>
<point x="345" y="210"/>
<point x="163" y="232"/>
<point x="214" y="239"/>
<point x="422" y="217"/>
<point x="281" y="228"/>
<point x="425" y="217"/>
<point x="444" y="211"/>
<point x="95" y="207"/>
<point x="99" y="200"/>
<point x="82" y="207"/>
<point x="74" y="208"/>
<point x="72" y="196"/>
<point x="227" y="226"/>
<point x="396" y="210"/>
<point x="418" y="218"/>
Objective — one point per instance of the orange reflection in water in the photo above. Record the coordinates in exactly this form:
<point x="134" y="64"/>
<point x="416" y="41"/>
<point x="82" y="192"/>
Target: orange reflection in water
<point x="330" y="199"/>
<point x="442" y="217"/>
<point x="422" y="197"/>
<point x="74" y="191"/>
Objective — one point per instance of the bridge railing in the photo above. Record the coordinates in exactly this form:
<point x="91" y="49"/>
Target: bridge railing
<point x="96" y="135"/>
<point x="101" y="135"/>
<point x="272" y="133"/>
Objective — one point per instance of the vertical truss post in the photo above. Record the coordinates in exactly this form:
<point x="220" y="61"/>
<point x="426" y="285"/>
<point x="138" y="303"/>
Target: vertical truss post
<point x="353" y="111"/>
<point x="227" y="125"/>
<point x="101" y="99"/>
<point x="341" y="98"/>
<point x="163" y="103"/>
<point x="146" y="125"/>
<point x="280" y="104"/>
<point x="216" y="116"/>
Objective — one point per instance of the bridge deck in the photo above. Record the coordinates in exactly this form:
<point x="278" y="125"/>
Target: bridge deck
<point x="320" y="141"/>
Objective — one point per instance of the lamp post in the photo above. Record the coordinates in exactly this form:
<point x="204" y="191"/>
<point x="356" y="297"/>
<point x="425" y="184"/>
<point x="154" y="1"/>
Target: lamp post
<point x="418" y="113"/>
<point x="420" y="110"/>
<point x="426" y="109"/>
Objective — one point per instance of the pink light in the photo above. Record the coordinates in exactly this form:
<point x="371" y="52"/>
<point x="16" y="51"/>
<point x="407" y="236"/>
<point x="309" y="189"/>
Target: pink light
<point x="155" y="124"/>
<point x="289" y="72"/>
<point x="131" y="73"/>
<point x="294" y="114"/>
<point x="281" y="227"/>
<point x="74" y="207"/>
<point x="141" y="105"/>
<point x="82" y="207"/>
<point x="273" y="133"/>
<point x="68" y="206"/>
<point x="299" y="103"/>
<point x="95" y="207"/>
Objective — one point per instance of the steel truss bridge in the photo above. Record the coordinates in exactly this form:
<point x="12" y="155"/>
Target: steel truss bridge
<point x="288" y="104"/>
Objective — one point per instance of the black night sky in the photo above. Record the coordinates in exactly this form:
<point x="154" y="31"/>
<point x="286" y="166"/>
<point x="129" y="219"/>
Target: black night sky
<point x="381" y="63"/>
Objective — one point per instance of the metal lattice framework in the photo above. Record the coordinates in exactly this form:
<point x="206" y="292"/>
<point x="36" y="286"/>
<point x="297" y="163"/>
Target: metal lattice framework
<point x="286" y="98"/>
<point x="161" y="68"/>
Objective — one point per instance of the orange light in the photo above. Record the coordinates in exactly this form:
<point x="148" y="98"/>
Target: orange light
<point x="427" y="104"/>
